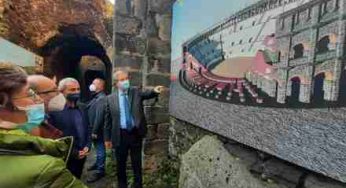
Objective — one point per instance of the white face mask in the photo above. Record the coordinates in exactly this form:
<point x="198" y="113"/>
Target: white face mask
<point x="92" y="88"/>
<point x="57" y="103"/>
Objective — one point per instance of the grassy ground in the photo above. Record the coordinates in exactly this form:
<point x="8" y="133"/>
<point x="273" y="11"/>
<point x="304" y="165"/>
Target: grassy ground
<point x="165" y="177"/>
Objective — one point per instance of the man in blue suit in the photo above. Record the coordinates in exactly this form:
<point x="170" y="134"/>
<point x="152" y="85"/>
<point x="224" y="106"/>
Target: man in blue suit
<point x="125" y="125"/>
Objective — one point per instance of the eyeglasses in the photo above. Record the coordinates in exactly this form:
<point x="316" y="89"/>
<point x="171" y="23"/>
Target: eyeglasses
<point x="31" y="94"/>
<point x="47" y="92"/>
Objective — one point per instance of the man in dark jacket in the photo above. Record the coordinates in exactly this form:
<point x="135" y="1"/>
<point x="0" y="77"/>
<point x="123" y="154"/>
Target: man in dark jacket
<point x="126" y="125"/>
<point x="72" y="122"/>
<point x="95" y="110"/>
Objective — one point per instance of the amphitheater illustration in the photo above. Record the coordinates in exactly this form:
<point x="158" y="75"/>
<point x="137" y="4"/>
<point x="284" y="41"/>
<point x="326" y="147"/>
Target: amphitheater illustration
<point x="277" y="53"/>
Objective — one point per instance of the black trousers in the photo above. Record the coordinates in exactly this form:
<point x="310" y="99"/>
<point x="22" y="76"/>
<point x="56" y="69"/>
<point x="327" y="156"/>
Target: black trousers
<point x="75" y="166"/>
<point x="129" y="141"/>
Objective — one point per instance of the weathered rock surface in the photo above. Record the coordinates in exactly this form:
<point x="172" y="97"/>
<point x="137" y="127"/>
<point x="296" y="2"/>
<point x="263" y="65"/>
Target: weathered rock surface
<point x="209" y="165"/>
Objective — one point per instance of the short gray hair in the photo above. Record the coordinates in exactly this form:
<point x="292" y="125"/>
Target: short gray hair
<point x="64" y="82"/>
<point x="118" y="71"/>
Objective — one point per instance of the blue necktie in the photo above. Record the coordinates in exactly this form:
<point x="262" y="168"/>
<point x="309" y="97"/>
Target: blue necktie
<point x="127" y="113"/>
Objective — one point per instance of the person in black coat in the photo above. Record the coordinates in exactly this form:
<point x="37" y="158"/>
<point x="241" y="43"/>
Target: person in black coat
<point x="95" y="110"/>
<point x="72" y="121"/>
<point x="125" y="125"/>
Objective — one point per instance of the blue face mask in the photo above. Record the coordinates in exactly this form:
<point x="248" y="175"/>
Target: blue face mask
<point x="35" y="115"/>
<point x="125" y="84"/>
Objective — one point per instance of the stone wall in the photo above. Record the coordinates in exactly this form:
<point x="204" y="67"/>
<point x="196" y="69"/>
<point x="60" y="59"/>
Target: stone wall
<point x="32" y="23"/>
<point x="142" y="37"/>
<point x="265" y="170"/>
<point x="143" y="30"/>
<point x="61" y="31"/>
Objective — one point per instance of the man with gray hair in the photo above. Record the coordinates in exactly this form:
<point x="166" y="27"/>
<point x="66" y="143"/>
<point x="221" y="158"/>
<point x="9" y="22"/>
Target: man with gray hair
<point x="72" y="122"/>
<point x="125" y="125"/>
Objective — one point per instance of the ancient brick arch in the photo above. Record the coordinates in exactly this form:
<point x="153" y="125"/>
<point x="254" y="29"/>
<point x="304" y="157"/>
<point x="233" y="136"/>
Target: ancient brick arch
<point x="33" y="22"/>
<point x="64" y="52"/>
<point x="60" y="31"/>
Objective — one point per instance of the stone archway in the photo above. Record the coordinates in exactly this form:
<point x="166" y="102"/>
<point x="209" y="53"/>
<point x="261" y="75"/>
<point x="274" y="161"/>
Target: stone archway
<point x="91" y="67"/>
<point x="63" y="54"/>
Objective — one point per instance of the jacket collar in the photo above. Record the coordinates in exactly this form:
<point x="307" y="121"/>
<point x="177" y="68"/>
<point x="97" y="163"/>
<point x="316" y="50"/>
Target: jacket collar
<point x="100" y="94"/>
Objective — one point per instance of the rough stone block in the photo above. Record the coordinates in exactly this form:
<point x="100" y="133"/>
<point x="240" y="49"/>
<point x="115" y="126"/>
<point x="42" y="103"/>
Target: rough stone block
<point x="128" y="25"/>
<point x="156" y="115"/>
<point x="152" y="162"/>
<point x="156" y="147"/>
<point x="135" y="78"/>
<point x="164" y="23"/>
<point x="159" y="65"/>
<point x="128" y="61"/>
<point x="163" y="99"/>
<point x="123" y="7"/>
<point x="182" y="136"/>
<point x="151" y="27"/>
<point x="140" y="9"/>
<point x="208" y="164"/>
<point x="163" y="131"/>
<point x="160" y="6"/>
<point x="159" y="47"/>
<point x="152" y="132"/>
<point x="158" y="79"/>
<point x="130" y="44"/>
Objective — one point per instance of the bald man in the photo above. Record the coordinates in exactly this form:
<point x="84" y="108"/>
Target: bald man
<point x="53" y="101"/>
<point x="47" y="89"/>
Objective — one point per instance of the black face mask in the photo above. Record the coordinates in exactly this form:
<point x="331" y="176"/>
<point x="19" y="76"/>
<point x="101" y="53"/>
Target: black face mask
<point x="74" y="97"/>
